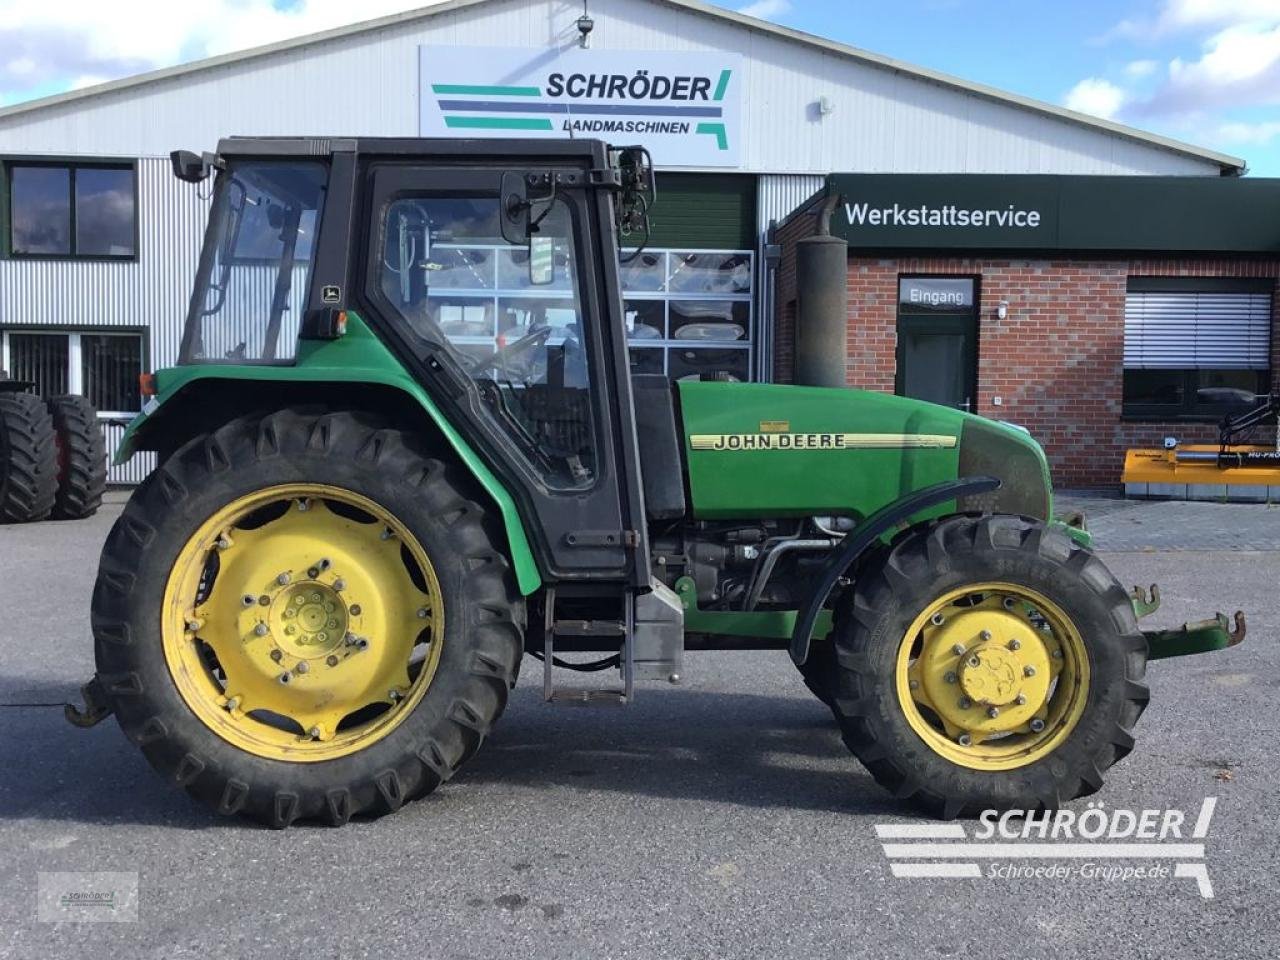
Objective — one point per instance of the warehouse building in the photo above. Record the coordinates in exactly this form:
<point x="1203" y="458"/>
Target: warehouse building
<point x="1018" y="317"/>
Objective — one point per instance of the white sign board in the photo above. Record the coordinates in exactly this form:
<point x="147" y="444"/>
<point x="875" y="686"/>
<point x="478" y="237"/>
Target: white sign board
<point x="684" y="106"/>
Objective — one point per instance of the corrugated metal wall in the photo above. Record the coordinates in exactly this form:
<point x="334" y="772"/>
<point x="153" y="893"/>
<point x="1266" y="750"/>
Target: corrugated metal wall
<point x="776" y="197"/>
<point x="149" y="294"/>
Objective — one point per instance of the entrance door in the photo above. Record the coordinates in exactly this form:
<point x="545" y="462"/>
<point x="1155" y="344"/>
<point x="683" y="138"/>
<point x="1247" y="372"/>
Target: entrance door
<point x="938" y="341"/>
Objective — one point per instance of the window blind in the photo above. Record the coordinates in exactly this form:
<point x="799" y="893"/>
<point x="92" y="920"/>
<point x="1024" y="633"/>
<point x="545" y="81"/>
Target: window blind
<point x="1197" y="330"/>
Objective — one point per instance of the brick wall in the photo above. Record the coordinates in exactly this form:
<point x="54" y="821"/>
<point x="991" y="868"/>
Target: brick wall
<point x="1056" y="361"/>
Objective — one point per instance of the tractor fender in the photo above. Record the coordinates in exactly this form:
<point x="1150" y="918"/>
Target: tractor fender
<point x="864" y="535"/>
<point x="199" y="398"/>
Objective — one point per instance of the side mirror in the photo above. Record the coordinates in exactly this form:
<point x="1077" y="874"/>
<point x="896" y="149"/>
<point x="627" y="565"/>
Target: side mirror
<point x="514" y="213"/>
<point x="188" y="166"/>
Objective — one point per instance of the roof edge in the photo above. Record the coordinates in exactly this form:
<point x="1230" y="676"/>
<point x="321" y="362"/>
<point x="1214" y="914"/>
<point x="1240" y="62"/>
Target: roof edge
<point x="1229" y="164"/>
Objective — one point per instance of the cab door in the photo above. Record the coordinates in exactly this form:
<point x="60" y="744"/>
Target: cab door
<point x="521" y="356"/>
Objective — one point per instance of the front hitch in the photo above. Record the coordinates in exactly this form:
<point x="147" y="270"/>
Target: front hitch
<point x="96" y="708"/>
<point x="1203" y="636"/>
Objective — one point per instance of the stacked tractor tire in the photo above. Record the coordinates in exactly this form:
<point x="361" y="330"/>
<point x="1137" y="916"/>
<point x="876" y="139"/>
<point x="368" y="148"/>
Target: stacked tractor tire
<point x="53" y="459"/>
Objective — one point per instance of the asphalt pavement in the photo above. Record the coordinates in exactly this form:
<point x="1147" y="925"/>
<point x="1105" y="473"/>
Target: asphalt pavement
<point x="720" y="818"/>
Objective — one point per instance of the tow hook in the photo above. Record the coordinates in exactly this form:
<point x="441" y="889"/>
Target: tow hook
<point x="1145" y="604"/>
<point x="96" y="709"/>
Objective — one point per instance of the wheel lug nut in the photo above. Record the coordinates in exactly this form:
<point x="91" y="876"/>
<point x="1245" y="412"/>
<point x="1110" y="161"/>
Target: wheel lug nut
<point x="303" y="667"/>
<point x="264" y="600"/>
<point x="915" y="684"/>
<point x="339" y="585"/>
<point x="1015" y="645"/>
<point x="1037" y="724"/>
<point x="315" y="598"/>
<point x="394" y="695"/>
<point x="355" y="609"/>
<point x="246" y="600"/>
<point x="332" y="660"/>
<point x="331" y="624"/>
<point x="194" y="624"/>
<point x="233" y="703"/>
<point x="1020" y="700"/>
<point x="303" y="506"/>
<point x="276" y="655"/>
<point x="313" y="572"/>
<point x="324" y="563"/>
<point x="1028" y="671"/>
<point x="422" y="613"/>
<point x="282" y="579"/>
<point x="1057" y="654"/>
<point x="350" y="639"/>
<point x="315" y="733"/>
<point x="950" y="677"/>
<point x="964" y="740"/>
<point x="974" y="662"/>
<point x="224" y="543"/>
<point x="260" y="630"/>
<point x="936" y="619"/>
<point x="965" y="703"/>
<point x="386" y="534"/>
<point x="984" y="635"/>
<point x="993" y="712"/>
<point x="1009" y="603"/>
<point x="958" y="649"/>
<point x="290" y="630"/>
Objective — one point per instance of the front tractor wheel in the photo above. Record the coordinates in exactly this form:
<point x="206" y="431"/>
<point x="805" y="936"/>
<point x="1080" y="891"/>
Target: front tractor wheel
<point x="988" y="663"/>
<point x="305" y="617"/>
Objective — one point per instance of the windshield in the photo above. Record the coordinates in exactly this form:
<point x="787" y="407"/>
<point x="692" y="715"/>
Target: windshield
<point x="254" y="271"/>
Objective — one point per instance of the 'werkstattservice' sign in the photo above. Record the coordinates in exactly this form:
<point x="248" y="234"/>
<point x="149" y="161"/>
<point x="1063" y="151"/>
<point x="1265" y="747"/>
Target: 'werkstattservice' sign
<point x="1042" y="212"/>
<point x="684" y="107"/>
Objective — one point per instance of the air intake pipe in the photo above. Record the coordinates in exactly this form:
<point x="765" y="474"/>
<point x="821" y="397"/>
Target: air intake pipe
<point x="822" y="304"/>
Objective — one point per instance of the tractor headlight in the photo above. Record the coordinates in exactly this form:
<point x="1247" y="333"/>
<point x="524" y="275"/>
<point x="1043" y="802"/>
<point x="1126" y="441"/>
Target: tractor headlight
<point x="994" y="450"/>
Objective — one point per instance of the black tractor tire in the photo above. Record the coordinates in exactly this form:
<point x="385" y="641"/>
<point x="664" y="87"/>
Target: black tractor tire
<point x="28" y="459"/>
<point x="426" y="491"/>
<point x="819" y="671"/>
<point x="82" y="457"/>
<point x="871" y="622"/>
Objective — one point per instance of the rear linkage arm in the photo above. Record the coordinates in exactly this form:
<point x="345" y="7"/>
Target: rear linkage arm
<point x="1203" y="636"/>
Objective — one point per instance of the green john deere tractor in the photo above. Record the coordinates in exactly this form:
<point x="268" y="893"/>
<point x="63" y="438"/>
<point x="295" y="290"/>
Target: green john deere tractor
<point x="403" y="447"/>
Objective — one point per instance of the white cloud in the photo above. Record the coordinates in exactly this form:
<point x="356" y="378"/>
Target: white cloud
<point x="1254" y="134"/>
<point x="766" y="9"/>
<point x="1238" y="67"/>
<point x="1096" y="97"/>
<point x="1138" y="69"/>
<point x="60" y="42"/>
<point x="1194" y="14"/>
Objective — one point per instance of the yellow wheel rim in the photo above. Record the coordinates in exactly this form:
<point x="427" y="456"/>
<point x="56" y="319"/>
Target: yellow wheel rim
<point x="992" y="676"/>
<point x="302" y="622"/>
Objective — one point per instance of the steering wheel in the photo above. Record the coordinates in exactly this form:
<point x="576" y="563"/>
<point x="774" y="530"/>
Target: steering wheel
<point x="535" y="338"/>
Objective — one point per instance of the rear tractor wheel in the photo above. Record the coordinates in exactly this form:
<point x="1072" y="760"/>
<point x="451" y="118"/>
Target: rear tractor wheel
<point x="306" y="617"/>
<point x="28" y="459"/>
<point x="988" y="663"/>
<point x="82" y="457"/>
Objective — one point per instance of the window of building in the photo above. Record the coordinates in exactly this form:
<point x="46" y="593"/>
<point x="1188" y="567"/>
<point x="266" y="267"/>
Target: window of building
<point x="71" y="210"/>
<point x="102" y="366"/>
<point x="689" y="313"/>
<point x="1195" y="347"/>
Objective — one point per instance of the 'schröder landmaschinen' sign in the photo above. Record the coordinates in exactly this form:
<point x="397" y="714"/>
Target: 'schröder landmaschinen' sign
<point x="685" y="107"/>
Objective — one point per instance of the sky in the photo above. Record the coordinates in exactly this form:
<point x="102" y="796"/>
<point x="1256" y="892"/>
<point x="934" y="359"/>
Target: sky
<point x="1204" y="71"/>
